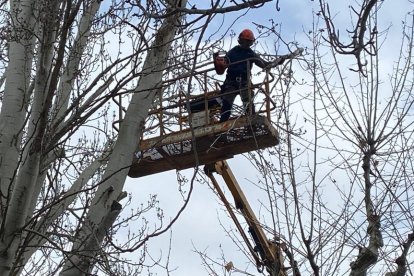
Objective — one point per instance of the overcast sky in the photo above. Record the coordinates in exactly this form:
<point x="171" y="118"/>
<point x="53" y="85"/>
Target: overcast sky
<point x="199" y="227"/>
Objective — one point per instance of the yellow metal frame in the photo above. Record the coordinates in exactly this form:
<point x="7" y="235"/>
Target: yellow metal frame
<point x="269" y="254"/>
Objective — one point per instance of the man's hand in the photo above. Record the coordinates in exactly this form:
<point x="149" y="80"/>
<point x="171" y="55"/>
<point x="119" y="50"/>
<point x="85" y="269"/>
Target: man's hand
<point x="277" y="61"/>
<point x="280" y="59"/>
<point x="297" y="52"/>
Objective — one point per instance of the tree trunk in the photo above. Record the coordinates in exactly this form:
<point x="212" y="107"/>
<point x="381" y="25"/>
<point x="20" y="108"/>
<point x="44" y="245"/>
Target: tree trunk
<point x="13" y="111"/>
<point x="105" y="206"/>
<point x="12" y="122"/>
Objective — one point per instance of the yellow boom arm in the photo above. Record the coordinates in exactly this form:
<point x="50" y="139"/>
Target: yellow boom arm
<point x="267" y="254"/>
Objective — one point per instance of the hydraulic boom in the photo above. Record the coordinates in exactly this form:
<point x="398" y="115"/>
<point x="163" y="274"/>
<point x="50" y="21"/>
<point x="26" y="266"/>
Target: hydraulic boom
<point x="267" y="254"/>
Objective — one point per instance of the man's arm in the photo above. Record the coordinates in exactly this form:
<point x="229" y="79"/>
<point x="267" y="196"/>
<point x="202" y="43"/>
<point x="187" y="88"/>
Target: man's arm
<point x="280" y="59"/>
<point x="261" y="62"/>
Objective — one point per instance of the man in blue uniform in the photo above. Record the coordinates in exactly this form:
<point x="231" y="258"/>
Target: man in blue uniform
<point x="240" y="60"/>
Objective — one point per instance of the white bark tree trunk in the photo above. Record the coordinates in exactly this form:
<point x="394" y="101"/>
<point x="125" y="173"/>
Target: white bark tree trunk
<point x="66" y="83"/>
<point x="105" y="206"/>
<point x="42" y="84"/>
<point x="12" y="121"/>
<point x="72" y="66"/>
<point x="13" y="112"/>
<point x="56" y="210"/>
<point x="20" y="179"/>
<point x="27" y="178"/>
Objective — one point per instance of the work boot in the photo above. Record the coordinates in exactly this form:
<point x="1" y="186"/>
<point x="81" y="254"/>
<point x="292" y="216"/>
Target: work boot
<point x="222" y="138"/>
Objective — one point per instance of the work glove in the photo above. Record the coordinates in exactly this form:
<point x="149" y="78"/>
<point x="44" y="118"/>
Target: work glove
<point x="296" y="53"/>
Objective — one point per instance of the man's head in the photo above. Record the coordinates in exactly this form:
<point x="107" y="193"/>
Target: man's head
<point x="246" y="38"/>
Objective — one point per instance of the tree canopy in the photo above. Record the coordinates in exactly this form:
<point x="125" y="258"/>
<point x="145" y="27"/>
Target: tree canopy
<point x="83" y="82"/>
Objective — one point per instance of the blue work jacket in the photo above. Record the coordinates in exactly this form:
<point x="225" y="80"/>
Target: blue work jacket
<point x="240" y="59"/>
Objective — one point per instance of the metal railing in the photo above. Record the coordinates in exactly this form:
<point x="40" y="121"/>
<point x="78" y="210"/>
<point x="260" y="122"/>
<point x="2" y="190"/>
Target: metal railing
<point x="173" y="113"/>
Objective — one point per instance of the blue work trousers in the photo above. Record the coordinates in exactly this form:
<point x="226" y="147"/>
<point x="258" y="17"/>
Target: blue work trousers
<point x="229" y="90"/>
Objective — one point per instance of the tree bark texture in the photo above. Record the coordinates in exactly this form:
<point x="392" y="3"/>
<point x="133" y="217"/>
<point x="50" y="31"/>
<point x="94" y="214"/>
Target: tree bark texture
<point x="105" y="204"/>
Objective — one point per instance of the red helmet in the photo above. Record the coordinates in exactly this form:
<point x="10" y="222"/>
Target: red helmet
<point x="247" y="35"/>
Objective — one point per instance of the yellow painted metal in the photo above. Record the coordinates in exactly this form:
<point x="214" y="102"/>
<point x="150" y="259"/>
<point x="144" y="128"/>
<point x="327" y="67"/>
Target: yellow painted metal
<point x="233" y="215"/>
<point x="270" y="254"/>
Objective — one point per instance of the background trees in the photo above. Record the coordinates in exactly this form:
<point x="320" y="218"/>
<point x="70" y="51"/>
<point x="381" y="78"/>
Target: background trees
<point x="63" y="163"/>
<point x="337" y="190"/>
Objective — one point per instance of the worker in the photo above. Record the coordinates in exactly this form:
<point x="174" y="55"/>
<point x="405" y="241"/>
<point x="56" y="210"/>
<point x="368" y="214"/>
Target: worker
<point x="238" y="62"/>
